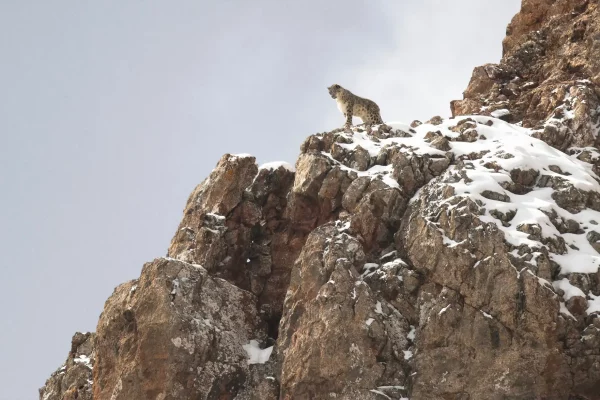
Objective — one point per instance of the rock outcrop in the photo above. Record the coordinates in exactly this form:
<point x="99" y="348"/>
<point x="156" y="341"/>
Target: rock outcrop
<point x="549" y="76"/>
<point x="73" y="380"/>
<point x="178" y="333"/>
<point x="452" y="259"/>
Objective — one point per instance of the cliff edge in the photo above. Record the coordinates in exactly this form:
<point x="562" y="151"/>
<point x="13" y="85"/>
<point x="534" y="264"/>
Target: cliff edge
<point x="452" y="259"/>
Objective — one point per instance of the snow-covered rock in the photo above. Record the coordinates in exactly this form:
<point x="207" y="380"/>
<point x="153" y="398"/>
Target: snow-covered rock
<point x="452" y="259"/>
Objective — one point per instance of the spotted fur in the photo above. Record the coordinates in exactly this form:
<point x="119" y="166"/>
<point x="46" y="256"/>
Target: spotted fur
<point x="352" y="105"/>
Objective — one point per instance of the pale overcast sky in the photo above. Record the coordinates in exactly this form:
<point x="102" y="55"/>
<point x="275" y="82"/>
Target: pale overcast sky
<point x="112" y="111"/>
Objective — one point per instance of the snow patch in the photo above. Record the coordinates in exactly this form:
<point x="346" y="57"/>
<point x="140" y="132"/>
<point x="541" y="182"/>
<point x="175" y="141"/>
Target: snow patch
<point x="278" y="164"/>
<point x="83" y="359"/>
<point x="412" y="334"/>
<point x="443" y="310"/>
<point x="568" y="288"/>
<point x="241" y="155"/>
<point x="500" y="113"/>
<point x="256" y="355"/>
<point x="217" y="216"/>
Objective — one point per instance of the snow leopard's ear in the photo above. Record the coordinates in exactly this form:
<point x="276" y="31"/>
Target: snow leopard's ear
<point x="333" y="89"/>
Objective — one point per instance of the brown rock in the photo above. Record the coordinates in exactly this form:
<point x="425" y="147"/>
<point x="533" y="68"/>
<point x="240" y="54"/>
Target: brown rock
<point x="437" y="120"/>
<point x="354" y="352"/>
<point x="370" y="274"/>
<point x="176" y="333"/>
<point x="548" y="67"/>
<point x="74" y="379"/>
<point x="441" y="143"/>
<point x="463" y="308"/>
<point x="577" y="305"/>
<point x="524" y="177"/>
<point x="594" y="238"/>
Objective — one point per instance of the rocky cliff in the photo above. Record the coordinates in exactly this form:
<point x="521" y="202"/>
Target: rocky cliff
<point x="452" y="259"/>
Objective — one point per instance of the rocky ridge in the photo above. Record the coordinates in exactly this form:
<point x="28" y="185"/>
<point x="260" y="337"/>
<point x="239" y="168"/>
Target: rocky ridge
<point x="73" y="380"/>
<point x="549" y="76"/>
<point x="452" y="259"/>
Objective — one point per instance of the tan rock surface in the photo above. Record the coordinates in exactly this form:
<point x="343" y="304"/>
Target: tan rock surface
<point x="177" y="333"/>
<point x="73" y="380"/>
<point x="452" y="259"/>
<point x="549" y="76"/>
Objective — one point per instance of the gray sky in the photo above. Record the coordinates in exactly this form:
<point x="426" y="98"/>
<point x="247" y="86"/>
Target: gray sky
<point x="112" y="111"/>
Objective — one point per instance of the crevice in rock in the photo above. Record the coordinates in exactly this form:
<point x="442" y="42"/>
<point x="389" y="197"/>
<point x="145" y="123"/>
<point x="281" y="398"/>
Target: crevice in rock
<point x="273" y="327"/>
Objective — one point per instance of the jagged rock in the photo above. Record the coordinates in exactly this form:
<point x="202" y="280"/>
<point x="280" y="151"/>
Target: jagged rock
<point x="462" y="309"/>
<point x="431" y="135"/>
<point x="253" y="246"/>
<point x="524" y="177"/>
<point x="548" y="74"/>
<point x="533" y="230"/>
<point x="413" y="171"/>
<point x="360" y="159"/>
<point x="387" y="132"/>
<point x="594" y="238"/>
<point x="577" y="305"/>
<point x="452" y="259"/>
<point x="466" y="128"/>
<point x="490" y="194"/>
<point x="441" y="143"/>
<point x="437" y="120"/>
<point x="377" y="217"/>
<point x="223" y="189"/>
<point x="177" y="333"/>
<point x="73" y="380"/>
<point x="361" y="341"/>
<point x="355" y="192"/>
